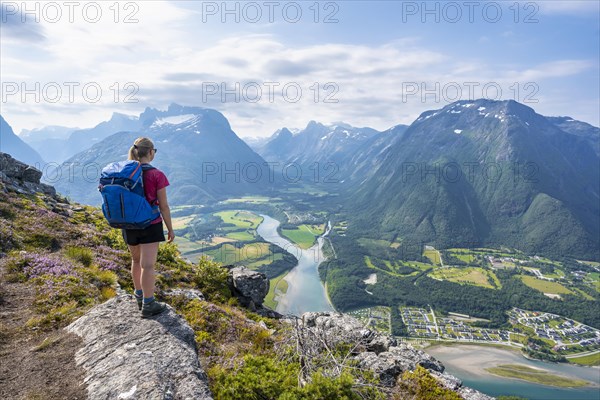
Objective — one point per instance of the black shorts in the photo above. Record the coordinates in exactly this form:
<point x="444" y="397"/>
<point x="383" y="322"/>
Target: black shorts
<point x="152" y="234"/>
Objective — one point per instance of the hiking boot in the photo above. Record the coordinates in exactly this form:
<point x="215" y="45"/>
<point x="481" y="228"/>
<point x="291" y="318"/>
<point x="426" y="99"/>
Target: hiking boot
<point x="139" y="301"/>
<point x="152" y="308"/>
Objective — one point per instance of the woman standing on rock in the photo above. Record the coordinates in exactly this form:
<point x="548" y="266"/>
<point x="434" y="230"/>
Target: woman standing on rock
<point x="143" y="243"/>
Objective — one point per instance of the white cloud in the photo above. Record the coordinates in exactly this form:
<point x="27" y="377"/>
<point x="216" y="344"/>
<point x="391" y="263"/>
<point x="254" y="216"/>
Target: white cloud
<point x="170" y="63"/>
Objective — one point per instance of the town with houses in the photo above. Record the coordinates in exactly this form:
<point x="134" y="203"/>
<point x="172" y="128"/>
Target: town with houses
<point x="565" y="335"/>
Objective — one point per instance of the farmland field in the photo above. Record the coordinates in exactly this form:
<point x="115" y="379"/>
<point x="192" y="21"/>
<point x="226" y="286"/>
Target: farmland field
<point x="277" y="285"/>
<point x="247" y="254"/>
<point x="397" y="268"/>
<point x="433" y="255"/>
<point x="181" y="222"/>
<point x="304" y="235"/>
<point x="471" y="276"/>
<point x="241" y="219"/>
<point x="544" y="286"/>
<point x="249" y="199"/>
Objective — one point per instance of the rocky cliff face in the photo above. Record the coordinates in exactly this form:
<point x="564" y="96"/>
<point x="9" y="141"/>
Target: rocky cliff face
<point x="378" y="352"/>
<point x="22" y="178"/>
<point x="131" y="358"/>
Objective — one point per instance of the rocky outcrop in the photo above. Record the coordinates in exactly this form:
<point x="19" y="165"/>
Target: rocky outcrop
<point x="250" y="287"/>
<point x="22" y="178"/>
<point x="19" y="177"/>
<point x="126" y="357"/>
<point x="377" y="352"/>
<point x="189" y="294"/>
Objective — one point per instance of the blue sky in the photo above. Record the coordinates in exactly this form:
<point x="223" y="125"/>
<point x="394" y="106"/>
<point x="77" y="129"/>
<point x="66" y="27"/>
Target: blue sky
<point x="371" y="62"/>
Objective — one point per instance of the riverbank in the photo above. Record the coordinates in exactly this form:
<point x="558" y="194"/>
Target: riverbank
<point x="472" y="363"/>
<point x="305" y="291"/>
<point x="535" y="375"/>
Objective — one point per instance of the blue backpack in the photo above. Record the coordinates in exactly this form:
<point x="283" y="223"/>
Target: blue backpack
<point x="123" y="202"/>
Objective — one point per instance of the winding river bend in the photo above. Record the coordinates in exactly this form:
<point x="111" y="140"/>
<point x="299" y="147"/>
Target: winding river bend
<point x="305" y="290"/>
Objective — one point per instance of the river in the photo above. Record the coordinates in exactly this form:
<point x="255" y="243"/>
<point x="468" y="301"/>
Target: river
<point x="468" y="363"/>
<point x="305" y="290"/>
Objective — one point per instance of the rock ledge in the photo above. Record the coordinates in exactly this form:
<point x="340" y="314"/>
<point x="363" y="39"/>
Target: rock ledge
<point x="126" y="357"/>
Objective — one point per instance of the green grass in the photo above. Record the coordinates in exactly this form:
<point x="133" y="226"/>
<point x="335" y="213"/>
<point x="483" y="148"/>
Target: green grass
<point x="278" y="283"/>
<point x="393" y="268"/>
<point x="591" y="360"/>
<point x="247" y="254"/>
<point x="248" y="199"/>
<point x="304" y="235"/>
<point x="558" y="274"/>
<point x="241" y="219"/>
<point x="592" y="263"/>
<point x="584" y="294"/>
<point x="419" y="265"/>
<point x="594" y="280"/>
<point x="433" y="255"/>
<point x="243" y="236"/>
<point x="528" y="374"/>
<point x="184" y="245"/>
<point x="181" y="222"/>
<point x="264" y="261"/>
<point x="544" y="286"/>
<point x="471" y="276"/>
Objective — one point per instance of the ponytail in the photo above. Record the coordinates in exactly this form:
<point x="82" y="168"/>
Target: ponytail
<point x="133" y="153"/>
<point x="140" y="148"/>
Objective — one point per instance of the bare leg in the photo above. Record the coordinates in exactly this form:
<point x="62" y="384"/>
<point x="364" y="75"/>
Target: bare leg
<point x="136" y="269"/>
<point x="149" y="253"/>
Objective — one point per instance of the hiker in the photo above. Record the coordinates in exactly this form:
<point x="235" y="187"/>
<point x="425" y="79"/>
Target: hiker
<point x="143" y="243"/>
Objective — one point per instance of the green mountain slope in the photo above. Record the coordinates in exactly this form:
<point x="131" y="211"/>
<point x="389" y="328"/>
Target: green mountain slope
<point x="469" y="174"/>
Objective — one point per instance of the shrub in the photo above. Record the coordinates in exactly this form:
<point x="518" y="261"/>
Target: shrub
<point x="41" y="240"/>
<point x="29" y="266"/>
<point x="114" y="239"/>
<point x="211" y="279"/>
<point x="420" y="385"/>
<point x="168" y="254"/>
<point x="8" y="237"/>
<point x="6" y="211"/>
<point x="81" y="254"/>
<point x="259" y="377"/>
<point x="264" y="377"/>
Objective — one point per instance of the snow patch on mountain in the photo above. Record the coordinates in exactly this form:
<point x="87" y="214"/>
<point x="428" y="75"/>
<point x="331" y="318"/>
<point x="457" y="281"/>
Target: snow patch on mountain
<point x="174" y="120"/>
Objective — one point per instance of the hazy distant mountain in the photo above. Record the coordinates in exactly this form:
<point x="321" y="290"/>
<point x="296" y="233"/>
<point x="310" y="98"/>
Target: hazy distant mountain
<point x="59" y="143"/>
<point x="477" y="172"/>
<point x="255" y="143"/>
<point x="49" y="141"/>
<point x="315" y="143"/>
<point x="579" y="128"/>
<point x="12" y="144"/>
<point x="47" y="132"/>
<point x="200" y="154"/>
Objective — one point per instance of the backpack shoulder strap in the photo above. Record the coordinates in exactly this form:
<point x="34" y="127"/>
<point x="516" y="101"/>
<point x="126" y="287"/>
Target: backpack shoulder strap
<point x="147" y="167"/>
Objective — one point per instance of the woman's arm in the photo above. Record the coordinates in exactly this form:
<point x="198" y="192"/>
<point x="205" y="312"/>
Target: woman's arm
<point x="165" y="212"/>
